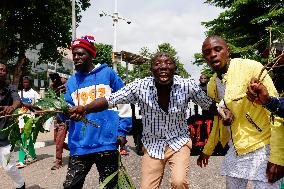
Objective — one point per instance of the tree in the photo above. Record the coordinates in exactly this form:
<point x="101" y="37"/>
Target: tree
<point x="246" y="26"/>
<point x="248" y="34"/>
<point x="141" y="71"/>
<point x="44" y="24"/>
<point x="166" y="47"/>
<point x="104" y="53"/>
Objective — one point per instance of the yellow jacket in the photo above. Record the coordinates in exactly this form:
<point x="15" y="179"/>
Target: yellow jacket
<point x="252" y="127"/>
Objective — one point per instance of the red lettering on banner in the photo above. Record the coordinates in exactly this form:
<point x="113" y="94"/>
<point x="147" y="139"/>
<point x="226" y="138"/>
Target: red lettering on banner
<point x="198" y="143"/>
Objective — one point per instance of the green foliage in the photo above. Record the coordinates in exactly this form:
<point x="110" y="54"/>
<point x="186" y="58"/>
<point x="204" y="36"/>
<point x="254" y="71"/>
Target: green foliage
<point x="13" y="131"/>
<point x="104" y="52"/>
<point x="121" y="71"/>
<point x="124" y="180"/>
<point x="247" y="34"/>
<point x="166" y="47"/>
<point x="246" y="26"/>
<point x="104" y="55"/>
<point x="141" y="71"/>
<point x="52" y="102"/>
<point x="43" y="24"/>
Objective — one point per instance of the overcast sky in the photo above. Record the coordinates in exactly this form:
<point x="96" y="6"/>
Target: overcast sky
<point x="153" y="22"/>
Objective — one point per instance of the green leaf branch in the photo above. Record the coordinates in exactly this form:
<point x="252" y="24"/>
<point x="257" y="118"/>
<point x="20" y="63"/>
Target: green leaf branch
<point x="49" y="106"/>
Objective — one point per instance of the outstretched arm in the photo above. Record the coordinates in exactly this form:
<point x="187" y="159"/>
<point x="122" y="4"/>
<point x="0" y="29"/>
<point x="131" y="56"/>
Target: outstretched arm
<point x="258" y="93"/>
<point x="78" y="112"/>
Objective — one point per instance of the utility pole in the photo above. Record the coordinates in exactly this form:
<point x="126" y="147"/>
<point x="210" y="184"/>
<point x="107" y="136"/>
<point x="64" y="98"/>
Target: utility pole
<point x="115" y="18"/>
<point x="73" y="20"/>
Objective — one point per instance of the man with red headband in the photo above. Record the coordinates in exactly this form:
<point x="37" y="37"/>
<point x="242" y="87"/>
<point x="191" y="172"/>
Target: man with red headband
<point x="91" y="144"/>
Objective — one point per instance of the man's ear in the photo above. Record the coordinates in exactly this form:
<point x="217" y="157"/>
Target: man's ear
<point x="228" y="51"/>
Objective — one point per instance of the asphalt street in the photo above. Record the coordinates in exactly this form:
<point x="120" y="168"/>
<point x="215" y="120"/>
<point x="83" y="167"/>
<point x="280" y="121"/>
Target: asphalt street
<point x="38" y="175"/>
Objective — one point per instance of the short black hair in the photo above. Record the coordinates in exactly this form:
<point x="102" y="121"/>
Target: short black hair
<point x="160" y="54"/>
<point x="27" y="78"/>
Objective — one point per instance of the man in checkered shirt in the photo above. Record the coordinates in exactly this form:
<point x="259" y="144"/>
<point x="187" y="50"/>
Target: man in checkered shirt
<point x="163" y="100"/>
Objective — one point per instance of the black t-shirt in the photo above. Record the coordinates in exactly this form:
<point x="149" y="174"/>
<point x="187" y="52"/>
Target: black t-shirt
<point x="7" y="95"/>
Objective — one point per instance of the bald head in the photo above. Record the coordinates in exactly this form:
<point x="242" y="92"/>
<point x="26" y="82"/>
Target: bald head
<point x="216" y="53"/>
<point x="215" y="37"/>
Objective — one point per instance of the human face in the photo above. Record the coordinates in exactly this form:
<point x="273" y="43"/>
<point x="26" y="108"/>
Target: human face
<point x="163" y="69"/>
<point x="3" y="72"/>
<point x="216" y="53"/>
<point x="26" y="84"/>
<point x="203" y="79"/>
<point x="81" y="58"/>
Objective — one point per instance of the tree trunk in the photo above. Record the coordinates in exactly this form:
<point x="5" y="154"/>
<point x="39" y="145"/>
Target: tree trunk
<point x="3" y="55"/>
<point x="3" y="46"/>
<point x="18" y="68"/>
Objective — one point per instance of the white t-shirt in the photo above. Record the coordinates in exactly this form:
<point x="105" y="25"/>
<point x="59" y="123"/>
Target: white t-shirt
<point x="29" y="97"/>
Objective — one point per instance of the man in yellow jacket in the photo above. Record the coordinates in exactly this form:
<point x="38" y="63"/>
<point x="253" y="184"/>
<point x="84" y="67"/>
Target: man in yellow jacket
<point x="256" y="143"/>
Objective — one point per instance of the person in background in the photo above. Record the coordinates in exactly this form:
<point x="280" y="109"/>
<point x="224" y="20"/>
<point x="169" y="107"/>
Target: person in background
<point x="255" y="151"/>
<point x="9" y="101"/>
<point x="203" y="80"/>
<point x="60" y="132"/>
<point x="28" y="97"/>
<point x="163" y="99"/>
<point x="137" y="129"/>
<point x="94" y="141"/>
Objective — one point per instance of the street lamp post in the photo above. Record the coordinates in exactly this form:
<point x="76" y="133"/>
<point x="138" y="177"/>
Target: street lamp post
<point x="115" y="17"/>
<point x="73" y="20"/>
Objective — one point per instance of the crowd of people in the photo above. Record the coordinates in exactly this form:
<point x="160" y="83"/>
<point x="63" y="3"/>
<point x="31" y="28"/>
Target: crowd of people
<point x="239" y="108"/>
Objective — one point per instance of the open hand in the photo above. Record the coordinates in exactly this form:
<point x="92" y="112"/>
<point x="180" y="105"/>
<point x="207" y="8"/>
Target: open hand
<point x="202" y="160"/>
<point x="6" y="110"/>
